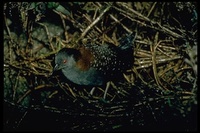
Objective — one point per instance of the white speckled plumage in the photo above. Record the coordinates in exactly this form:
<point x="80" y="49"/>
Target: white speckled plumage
<point x="95" y="64"/>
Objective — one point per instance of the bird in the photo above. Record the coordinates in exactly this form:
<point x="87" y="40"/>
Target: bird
<point x="95" y="65"/>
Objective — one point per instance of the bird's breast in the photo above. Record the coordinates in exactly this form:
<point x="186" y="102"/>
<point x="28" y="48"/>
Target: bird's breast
<point x="87" y="77"/>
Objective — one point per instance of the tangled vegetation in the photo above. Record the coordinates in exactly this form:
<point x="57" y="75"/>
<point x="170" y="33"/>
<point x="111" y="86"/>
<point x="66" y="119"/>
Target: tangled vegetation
<point x="159" y="93"/>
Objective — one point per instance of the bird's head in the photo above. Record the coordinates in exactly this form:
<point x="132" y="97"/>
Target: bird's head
<point x="66" y="58"/>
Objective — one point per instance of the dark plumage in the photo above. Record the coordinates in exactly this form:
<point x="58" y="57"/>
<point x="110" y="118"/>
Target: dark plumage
<point x="94" y="65"/>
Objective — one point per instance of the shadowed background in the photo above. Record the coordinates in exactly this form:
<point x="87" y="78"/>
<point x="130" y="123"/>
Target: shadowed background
<point x="159" y="93"/>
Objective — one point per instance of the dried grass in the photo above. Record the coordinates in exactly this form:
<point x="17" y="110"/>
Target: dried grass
<point x="164" y="73"/>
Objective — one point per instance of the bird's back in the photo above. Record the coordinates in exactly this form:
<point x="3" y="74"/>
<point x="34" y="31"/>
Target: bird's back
<point x="110" y="59"/>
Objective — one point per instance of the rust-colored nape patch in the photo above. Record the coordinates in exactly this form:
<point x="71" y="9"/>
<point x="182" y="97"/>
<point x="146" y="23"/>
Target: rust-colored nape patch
<point x="85" y="59"/>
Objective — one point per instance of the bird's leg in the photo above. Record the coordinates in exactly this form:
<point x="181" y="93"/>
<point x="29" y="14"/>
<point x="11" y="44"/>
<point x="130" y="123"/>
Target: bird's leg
<point x="92" y="91"/>
<point x="106" y="90"/>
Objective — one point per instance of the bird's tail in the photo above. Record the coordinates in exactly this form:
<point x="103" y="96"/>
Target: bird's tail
<point x="126" y="42"/>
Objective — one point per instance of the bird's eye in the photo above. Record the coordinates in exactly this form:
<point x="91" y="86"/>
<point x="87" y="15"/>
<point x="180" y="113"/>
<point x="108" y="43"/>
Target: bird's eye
<point x="64" y="61"/>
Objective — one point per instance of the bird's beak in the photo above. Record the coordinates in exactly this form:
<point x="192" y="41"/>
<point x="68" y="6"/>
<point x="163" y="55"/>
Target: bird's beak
<point x="56" y="68"/>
